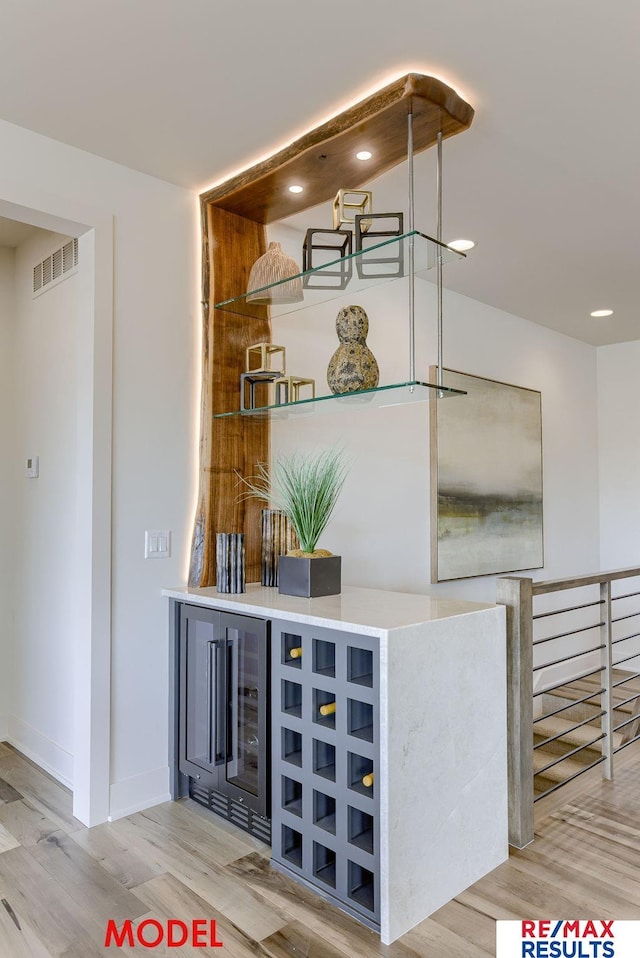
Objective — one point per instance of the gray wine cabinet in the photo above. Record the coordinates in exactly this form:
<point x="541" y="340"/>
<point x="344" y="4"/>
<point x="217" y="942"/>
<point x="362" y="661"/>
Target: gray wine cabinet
<point x="325" y="759"/>
<point x="388" y="795"/>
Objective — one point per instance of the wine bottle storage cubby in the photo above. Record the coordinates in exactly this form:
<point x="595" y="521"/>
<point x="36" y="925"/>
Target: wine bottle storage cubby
<point x="324" y="759"/>
<point x="360" y="666"/>
<point x="324" y="864"/>
<point x="291" y="746"/>
<point x="292" y="795"/>
<point x="292" y="698"/>
<point x="292" y="650"/>
<point x="360" y="719"/>
<point x="361" y="886"/>
<point x="324" y="658"/>
<point x="360" y="829"/>
<point x="324" y="811"/>
<point x="324" y="708"/>
<point x="360" y="774"/>
<point x="292" y="845"/>
<point x="325" y="817"/>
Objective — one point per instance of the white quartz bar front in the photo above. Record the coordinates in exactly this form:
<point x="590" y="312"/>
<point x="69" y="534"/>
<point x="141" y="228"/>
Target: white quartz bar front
<point x="443" y="757"/>
<point x="443" y="737"/>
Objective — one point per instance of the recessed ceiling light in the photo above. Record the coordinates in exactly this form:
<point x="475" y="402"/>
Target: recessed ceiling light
<point x="461" y="245"/>
<point x="364" y="155"/>
<point x="296" y="189"/>
<point x="602" y="312"/>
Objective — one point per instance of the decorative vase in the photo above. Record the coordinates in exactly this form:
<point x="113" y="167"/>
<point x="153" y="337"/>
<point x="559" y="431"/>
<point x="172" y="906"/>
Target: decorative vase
<point x="274" y="266"/>
<point x="309" y="576"/>
<point x="353" y="366"/>
<point x="278" y="538"/>
<point x="230" y="562"/>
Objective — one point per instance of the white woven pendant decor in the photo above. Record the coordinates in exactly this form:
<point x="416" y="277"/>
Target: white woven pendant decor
<point x="274" y="266"/>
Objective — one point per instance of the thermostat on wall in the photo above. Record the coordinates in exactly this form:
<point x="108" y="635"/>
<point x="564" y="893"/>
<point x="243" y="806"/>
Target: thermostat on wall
<point x="32" y="467"/>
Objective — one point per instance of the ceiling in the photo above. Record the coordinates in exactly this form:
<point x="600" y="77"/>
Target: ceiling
<point x="13" y="234"/>
<point x="545" y="180"/>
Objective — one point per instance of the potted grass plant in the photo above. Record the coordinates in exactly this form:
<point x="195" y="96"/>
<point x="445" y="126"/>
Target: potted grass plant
<point x="305" y="487"/>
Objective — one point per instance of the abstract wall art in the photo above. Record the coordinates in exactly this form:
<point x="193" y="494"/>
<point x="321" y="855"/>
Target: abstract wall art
<point x="486" y="479"/>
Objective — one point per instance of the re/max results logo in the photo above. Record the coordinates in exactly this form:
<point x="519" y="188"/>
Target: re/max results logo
<point x="565" y="938"/>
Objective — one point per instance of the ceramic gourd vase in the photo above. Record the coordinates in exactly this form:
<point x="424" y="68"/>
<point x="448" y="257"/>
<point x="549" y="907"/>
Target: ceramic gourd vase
<point x="353" y="366"/>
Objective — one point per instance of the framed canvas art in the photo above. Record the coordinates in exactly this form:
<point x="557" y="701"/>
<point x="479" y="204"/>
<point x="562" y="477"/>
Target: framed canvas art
<point x="486" y="479"/>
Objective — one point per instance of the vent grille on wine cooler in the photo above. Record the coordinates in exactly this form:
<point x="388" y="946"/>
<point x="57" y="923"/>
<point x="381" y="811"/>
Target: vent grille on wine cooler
<point x="228" y="808"/>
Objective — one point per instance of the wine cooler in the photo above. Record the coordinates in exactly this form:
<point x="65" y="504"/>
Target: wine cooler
<point x="224" y="715"/>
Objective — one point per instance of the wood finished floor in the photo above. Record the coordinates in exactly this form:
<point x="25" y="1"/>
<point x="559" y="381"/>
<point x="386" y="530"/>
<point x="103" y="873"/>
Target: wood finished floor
<point x="60" y="882"/>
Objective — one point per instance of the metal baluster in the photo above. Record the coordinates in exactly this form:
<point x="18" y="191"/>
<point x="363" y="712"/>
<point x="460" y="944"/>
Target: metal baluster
<point x="439" y="258"/>
<point x="606" y="722"/>
<point x="412" y="318"/>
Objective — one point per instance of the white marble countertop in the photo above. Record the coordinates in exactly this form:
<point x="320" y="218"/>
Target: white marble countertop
<point x="370" y="611"/>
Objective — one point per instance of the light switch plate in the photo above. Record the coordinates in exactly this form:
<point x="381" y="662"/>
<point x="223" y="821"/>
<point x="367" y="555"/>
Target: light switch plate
<point x="32" y="467"/>
<point x="157" y="544"/>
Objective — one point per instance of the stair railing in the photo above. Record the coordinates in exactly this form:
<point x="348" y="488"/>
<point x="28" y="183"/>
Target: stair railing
<point x="567" y="639"/>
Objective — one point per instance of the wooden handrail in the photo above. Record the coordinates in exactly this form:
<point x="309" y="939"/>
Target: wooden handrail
<point x="558" y="585"/>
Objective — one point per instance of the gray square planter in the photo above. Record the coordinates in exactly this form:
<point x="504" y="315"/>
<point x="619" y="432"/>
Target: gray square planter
<point x="309" y="577"/>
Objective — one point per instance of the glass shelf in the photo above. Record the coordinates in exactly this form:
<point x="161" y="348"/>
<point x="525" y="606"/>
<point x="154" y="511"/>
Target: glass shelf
<point x="396" y="394"/>
<point x="384" y="262"/>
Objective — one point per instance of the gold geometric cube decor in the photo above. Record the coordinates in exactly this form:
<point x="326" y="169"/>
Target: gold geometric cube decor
<point x="264" y="353"/>
<point x="348" y="204"/>
<point x="288" y="388"/>
<point x="257" y="380"/>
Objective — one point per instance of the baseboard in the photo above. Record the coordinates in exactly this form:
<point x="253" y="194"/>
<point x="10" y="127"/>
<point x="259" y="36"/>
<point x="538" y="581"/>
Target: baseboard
<point x="41" y="750"/>
<point x="140" y="792"/>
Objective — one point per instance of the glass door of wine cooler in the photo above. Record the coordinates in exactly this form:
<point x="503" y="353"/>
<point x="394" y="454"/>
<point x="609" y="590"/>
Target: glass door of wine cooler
<point x="224" y="705"/>
<point x="203" y="694"/>
<point x="247" y="758"/>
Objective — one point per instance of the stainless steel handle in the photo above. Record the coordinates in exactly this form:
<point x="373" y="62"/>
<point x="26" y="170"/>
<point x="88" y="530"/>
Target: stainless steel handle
<point x="217" y="702"/>
<point x="232" y="706"/>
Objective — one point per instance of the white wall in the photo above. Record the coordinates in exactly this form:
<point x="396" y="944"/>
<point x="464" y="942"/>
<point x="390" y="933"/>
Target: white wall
<point x="382" y="525"/>
<point x="156" y="329"/>
<point x="7" y="258"/>
<point x="619" y="413"/>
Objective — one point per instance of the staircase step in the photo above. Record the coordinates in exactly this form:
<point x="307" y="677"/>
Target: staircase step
<point x="573" y="691"/>
<point x="570" y="738"/>
<point x="561" y="771"/>
<point x="549" y="727"/>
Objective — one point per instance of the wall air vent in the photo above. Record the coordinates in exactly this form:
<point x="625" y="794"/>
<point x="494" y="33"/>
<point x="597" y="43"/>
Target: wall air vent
<point x="56" y="267"/>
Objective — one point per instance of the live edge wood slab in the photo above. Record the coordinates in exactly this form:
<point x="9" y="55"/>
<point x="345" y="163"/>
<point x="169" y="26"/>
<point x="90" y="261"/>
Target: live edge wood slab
<point x="234" y="215"/>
